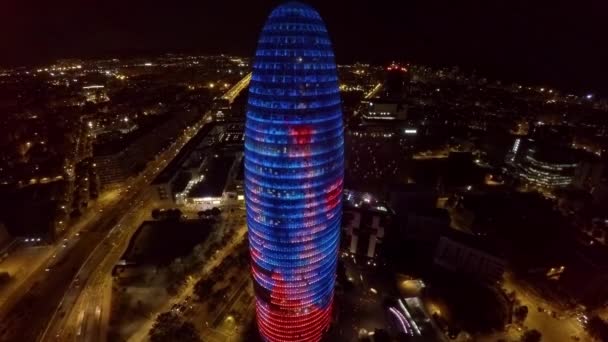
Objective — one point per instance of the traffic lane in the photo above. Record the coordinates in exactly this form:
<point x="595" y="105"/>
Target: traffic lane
<point x="8" y="328"/>
<point x="97" y="267"/>
<point x="552" y="328"/>
<point x="76" y="260"/>
<point x="31" y="313"/>
<point x="102" y="260"/>
<point x="11" y="295"/>
<point x="22" y="264"/>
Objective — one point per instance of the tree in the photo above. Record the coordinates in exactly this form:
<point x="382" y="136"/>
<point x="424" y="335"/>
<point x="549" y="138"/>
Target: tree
<point x="598" y="328"/>
<point x="4" y="277"/>
<point x="174" y="214"/>
<point x="198" y="249"/>
<point x="139" y="307"/>
<point x="169" y="327"/>
<point x="186" y="333"/>
<point x="172" y="288"/>
<point x="177" y="267"/>
<point x="212" y="305"/>
<point x="381" y="335"/>
<point x="202" y="288"/>
<point x="521" y="313"/>
<point x="532" y="335"/>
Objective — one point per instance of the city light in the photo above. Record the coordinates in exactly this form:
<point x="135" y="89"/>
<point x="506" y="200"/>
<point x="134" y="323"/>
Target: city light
<point x="175" y="195"/>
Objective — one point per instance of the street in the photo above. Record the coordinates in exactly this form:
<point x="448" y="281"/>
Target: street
<point x="92" y="297"/>
<point x="552" y="329"/>
<point x="83" y="314"/>
<point x="44" y="293"/>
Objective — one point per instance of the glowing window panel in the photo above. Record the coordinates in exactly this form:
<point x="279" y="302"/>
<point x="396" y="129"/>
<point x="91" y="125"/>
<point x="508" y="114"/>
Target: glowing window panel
<point x="294" y="170"/>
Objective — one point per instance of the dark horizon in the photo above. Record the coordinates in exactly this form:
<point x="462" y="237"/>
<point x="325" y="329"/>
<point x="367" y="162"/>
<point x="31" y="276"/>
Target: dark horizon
<point x="554" y="45"/>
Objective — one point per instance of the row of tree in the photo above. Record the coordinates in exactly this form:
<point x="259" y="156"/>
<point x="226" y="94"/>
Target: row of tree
<point x="170" y="327"/>
<point x="598" y="328"/>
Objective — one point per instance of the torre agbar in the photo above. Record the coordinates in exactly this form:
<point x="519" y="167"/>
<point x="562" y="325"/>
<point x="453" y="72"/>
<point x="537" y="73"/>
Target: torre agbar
<point x="294" y="168"/>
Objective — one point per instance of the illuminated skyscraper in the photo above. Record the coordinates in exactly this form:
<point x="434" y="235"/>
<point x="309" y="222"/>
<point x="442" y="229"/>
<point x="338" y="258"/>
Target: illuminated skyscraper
<point x="396" y="81"/>
<point x="294" y="168"/>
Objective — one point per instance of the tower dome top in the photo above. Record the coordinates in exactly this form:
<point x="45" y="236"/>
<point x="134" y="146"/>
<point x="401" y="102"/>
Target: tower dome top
<point x="294" y="9"/>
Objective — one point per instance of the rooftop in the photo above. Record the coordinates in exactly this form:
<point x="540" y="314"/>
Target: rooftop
<point x="117" y="142"/>
<point x="176" y="163"/>
<point x="473" y="241"/>
<point x="215" y="173"/>
<point x="181" y="182"/>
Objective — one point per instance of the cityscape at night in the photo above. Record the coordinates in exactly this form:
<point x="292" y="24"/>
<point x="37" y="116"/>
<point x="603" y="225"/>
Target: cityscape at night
<point x="280" y="171"/>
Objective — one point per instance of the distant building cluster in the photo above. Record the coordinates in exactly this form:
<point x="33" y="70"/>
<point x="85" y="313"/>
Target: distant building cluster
<point x="445" y="174"/>
<point x="78" y="128"/>
<point x="207" y="173"/>
<point x="547" y="159"/>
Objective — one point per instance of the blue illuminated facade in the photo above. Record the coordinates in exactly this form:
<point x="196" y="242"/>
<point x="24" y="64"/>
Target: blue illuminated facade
<point x="294" y="169"/>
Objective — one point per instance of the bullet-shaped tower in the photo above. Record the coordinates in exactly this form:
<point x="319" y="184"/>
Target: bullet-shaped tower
<point x="294" y="170"/>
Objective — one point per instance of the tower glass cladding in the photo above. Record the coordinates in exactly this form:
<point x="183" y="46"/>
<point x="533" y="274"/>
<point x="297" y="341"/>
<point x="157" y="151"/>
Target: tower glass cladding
<point x="294" y="169"/>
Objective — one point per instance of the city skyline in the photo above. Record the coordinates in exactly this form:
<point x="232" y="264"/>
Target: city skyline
<point x="553" y="46"/>
<point x="315" y="171"/>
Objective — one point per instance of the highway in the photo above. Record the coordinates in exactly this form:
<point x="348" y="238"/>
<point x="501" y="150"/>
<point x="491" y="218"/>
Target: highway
<point x="373" y="92"/>
<point x="232" y="94"/>
<point x="27" y="311"/>
<point x="89" y="301"/>
<point x="91" y="280"/>
<point x="59" y="258"/>
<point x="84" y="310"/>
<point x="24" y="261"/>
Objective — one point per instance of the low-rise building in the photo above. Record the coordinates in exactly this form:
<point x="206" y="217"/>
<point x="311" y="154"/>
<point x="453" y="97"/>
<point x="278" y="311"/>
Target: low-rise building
<point x="207" y="172"/>
<point x="364" y="224"/>
<point x="468" y="254"/>
<point x="121" y="158"/>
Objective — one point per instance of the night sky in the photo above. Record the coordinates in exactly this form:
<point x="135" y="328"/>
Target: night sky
<point x="549" y="43"/>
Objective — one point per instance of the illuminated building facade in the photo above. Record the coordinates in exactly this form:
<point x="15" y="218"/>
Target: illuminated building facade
<point x="294" y="169"/>
<point x="397" y="78"/>
<point x="548" y="167"/>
